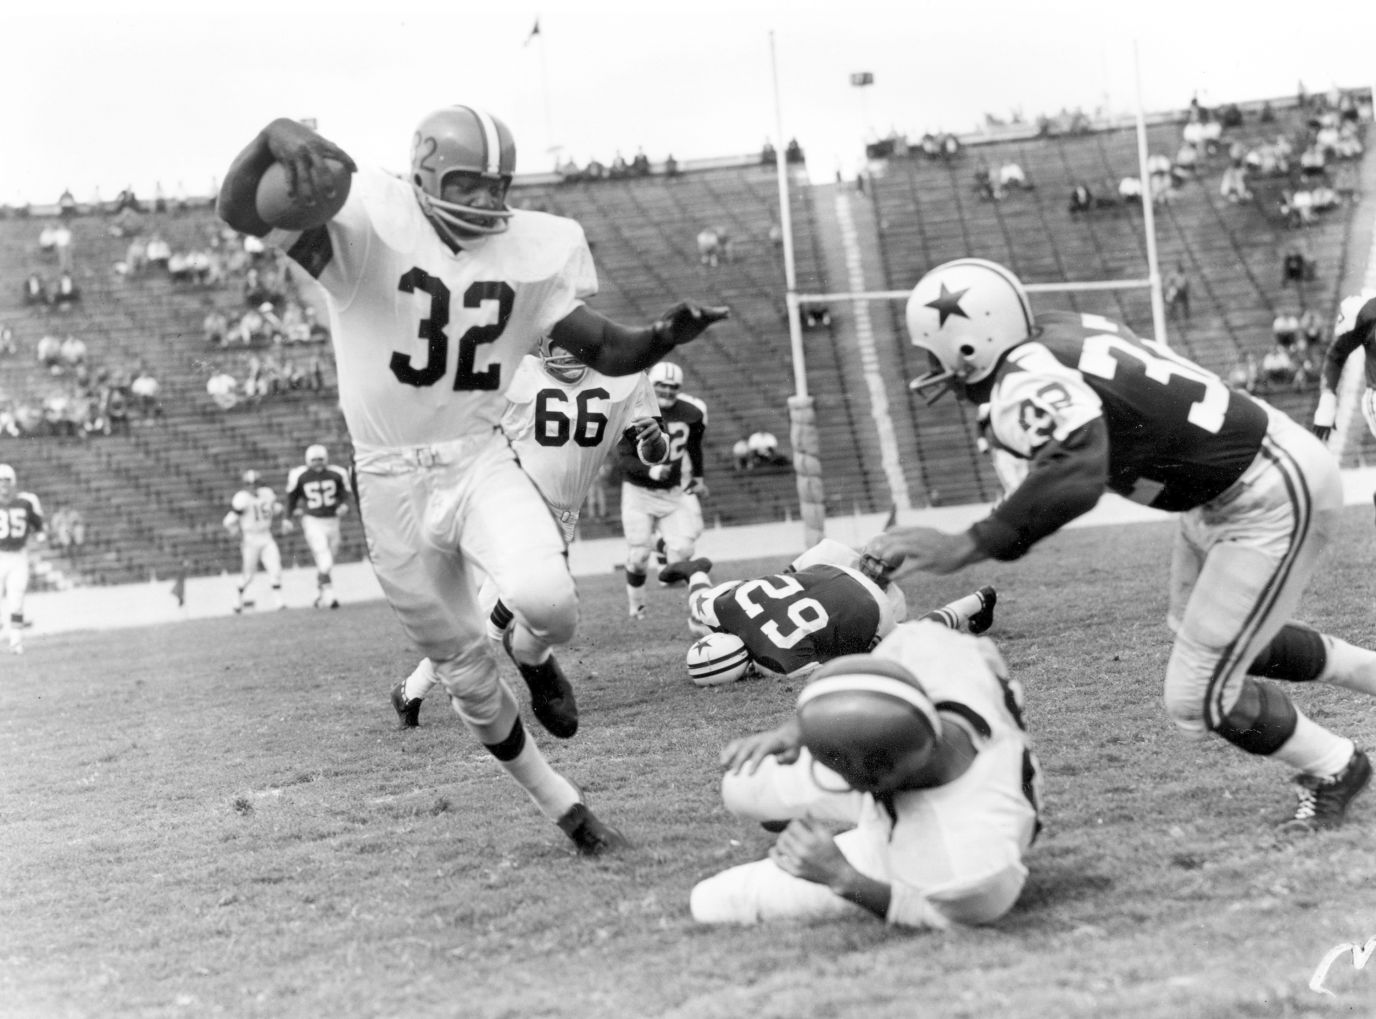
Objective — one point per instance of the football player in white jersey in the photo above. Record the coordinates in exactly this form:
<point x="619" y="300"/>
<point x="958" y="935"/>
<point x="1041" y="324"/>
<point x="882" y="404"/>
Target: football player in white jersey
<point x="563" y="419"/>
<point x="920" y="749"/>
<point x="1090" y="407"/>
<point x="251" y="514"/>
<point x="21" y="518"/>
<point x="436" y="289"/>
<point x="318" y="493"/>
<point x="1353" y="330"/>
<point x="662" y="499"/>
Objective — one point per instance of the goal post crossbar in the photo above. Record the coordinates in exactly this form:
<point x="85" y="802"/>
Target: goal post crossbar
<point x="1031" y="288"/>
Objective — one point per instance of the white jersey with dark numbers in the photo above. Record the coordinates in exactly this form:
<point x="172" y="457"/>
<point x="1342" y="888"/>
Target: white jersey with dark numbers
<point x="254" y="510"/>
<point x="317" y="491"/>
<point x="564" y="431"/>
<point x="20" y="517"/>
<point x="426" y="338"/>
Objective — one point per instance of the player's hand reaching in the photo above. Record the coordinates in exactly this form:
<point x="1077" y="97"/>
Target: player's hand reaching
<point x="302" y="153"/>
<point x="686" y="321"/>
<point x="905" y="550"/>
<point x="746" y="753"/>
<point x="1325" y="414"/>
<point x="650" y="444"/>
<point x="696" y="486"/>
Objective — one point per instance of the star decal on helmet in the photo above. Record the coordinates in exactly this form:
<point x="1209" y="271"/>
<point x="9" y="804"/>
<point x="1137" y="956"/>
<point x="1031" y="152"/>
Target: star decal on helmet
<point x="948" y="304"/>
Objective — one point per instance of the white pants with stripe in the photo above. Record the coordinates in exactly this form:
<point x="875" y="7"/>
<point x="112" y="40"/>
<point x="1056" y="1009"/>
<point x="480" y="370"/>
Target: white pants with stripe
<point x="436" y="518"/>
<point x="1240" y="565"/>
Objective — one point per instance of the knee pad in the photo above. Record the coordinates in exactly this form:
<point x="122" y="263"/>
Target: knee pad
<point x="1261" y="721"/>
<point x="1296" y="654"/>
<point x="637" y="559"/>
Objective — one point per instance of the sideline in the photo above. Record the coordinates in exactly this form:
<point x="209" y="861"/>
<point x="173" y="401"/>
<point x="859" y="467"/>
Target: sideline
<point x="146" y="604"/>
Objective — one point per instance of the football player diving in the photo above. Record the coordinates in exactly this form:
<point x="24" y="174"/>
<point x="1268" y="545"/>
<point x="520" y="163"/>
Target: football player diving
<point x="1092" y="408"/>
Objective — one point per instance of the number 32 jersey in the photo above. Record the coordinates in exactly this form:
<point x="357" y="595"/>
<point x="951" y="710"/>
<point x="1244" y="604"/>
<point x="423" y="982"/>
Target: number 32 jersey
<point x="1178" y="435"/>
<point x="426" y="338"/>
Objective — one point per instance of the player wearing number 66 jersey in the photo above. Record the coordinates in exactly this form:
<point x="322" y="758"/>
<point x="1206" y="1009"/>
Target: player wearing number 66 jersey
<point x="318" y="493"/>
<point x="435" y="290"/>
<point x="1090" y="407"/>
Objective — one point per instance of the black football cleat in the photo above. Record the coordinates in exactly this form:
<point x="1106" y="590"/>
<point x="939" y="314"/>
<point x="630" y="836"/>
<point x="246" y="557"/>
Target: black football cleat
<point x="984" y="618"/>
<point x="682" y="572"/>
<point x="1323" y="802"/>
<point x="591" y="836"/>
<point x="551" y="693"/>
<point x="408" y="711"/>
<point x="661" y="553"/>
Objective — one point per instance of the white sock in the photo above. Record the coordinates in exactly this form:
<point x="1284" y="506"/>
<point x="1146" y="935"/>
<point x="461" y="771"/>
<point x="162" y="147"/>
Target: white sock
<point x="1349" y="666"/>
<point x="1314" y="750"/>
<point x="551" y="791"/>
<point x="421" y="681"/>
<point x="526" y="647"/>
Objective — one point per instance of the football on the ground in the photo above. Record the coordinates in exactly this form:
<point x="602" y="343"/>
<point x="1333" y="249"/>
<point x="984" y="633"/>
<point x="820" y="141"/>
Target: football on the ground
<point x="716" y="659"/>
<point x="278" y="209"/>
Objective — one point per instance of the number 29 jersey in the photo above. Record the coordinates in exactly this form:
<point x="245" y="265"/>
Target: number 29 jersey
<point x="790" y="621"/>
<point x="427" y="338"/>
<point x="1178" y="435"/>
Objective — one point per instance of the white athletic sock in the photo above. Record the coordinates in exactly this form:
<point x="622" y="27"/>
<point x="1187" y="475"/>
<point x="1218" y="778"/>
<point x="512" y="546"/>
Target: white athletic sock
<point x="1314" y="750"/>
<point x="422" y="680"/>
<point x="526" y="647"/>
<point x="1349" y="666"/>
<point x="551" y="791"/>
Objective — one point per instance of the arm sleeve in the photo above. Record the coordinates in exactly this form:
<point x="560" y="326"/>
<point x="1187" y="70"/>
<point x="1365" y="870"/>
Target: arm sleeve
<point x="1064" y="481"/>
<point x="1338" y="352"/>
<point x="628" y="460"/>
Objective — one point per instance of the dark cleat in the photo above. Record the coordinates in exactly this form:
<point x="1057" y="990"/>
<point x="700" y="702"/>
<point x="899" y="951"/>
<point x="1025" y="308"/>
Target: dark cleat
<point x="551" y="694"/>
<point x="984" y="618"/>
<point x="591" y="836"/>
<point x="661" y="553"/>
<point x="408" y="711"/>
<point x="1323" y="802"/>
<point x="682" y="571"/>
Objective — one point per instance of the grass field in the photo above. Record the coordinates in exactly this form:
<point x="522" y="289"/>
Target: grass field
<point x="220" y="818"/>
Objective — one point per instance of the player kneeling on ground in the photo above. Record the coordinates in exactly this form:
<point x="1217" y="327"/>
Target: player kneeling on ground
<point x="919" y="750"/>
<point x="826" y="603"/>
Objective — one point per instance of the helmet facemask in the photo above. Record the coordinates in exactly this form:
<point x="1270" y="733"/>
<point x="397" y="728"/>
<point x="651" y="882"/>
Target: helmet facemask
<point x="460" y="140"/>
<point x="560" y="364"/>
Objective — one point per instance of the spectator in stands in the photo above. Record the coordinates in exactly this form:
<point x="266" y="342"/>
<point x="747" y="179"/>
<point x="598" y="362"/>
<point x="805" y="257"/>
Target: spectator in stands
<point x="764" y="450"/>
<point x="159" y="251"/>
<point x="222" y="388"/>
<point x="1296" y="267"/>
<point x="36" y="291"/>
<point x="1081" y="198"/>
<point x="1177" y="293"/>
<point x="640" y="164"/>
<point x="986" y="185"/>
<point x="1233" y="185"/>
<point x="9" y="423"/>
<point x="114" y="405"/>
<point x="319" y="332"/>
<point x="62" y="244"/>
<point x="1285" y="331"/>
<point x="215" y="327"/>
<point x="1012" y="175"/>
<point x="793" y="152"/>
<point x="1186" y="164"/>
<point x="816" y="316"/>
<point x="66" y="204"/>
<point x="127" y="200"/>
<point x="768" y="154"/>
<point x="136" y="257"/>
<point x="950" y="147"/>
<point x="72" y="354"/>
<point x="595" y="170"/>
<point x="47" y="240"/>
<point x="68" y="531"/>
<point x="670" y="166"/>
<point x="1312" y="163"/>
<point x="66" y="293"/>
<point x="740" y="454"/>
<point x="8" y="347"/>
<point x="49" y="353"/>
<point x="315" y="374"/>
<point x="1130" y="189"/>
<point x="1244" y="373"/>
<point x="144" y="389"/>
<point x="619" y="168"/>
<point x="1311" y="329"/>
<point x="709" y="247"/>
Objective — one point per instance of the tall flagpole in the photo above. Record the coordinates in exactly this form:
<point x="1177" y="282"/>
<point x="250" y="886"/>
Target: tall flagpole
<point x="538" y="34"/>
<point x="1158" y="304"/>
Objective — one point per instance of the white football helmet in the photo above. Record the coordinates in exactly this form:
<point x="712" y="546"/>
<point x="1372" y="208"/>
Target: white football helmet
<point x="668" y="380"/>
<point x="560" y="364"/>
<point x="862" y="715"/>
<point x="317" y="456"/>
<point x="251" y="479"/>
<point x="462" y="140"/>
<point x="1348" y="311"/>
<point x="966" y="314"/>
<point x="8" y="481"/>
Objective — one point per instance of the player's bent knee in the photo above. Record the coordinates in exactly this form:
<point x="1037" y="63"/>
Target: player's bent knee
<point x="1261" y="720"/>
<point x="474" y="685"/>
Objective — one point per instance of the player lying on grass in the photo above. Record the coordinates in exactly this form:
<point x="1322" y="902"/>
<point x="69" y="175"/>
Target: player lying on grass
<point x="826" y="603"/>
<point x="919" y="752"/>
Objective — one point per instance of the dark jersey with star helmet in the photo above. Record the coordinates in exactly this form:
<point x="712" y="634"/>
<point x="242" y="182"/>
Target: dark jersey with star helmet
<point x="1347" y="337"/>
<point x="21" y="515"/>
<point x="1177" y="434"/>
<point x="317" y="491"/>
<point x="791" y="620"/>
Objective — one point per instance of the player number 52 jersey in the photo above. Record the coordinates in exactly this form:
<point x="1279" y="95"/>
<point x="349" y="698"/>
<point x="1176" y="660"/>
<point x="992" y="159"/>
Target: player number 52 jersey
<point x="319" y="492"/>
<point x="1178" y="435"/>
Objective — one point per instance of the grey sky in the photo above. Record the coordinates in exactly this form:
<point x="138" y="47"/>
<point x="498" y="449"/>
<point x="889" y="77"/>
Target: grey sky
<point x="145" y="91"/>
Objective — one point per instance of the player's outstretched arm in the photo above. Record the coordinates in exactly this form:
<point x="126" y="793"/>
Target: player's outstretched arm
<point x="302" y="153"/>
<point x="616" y="349"/>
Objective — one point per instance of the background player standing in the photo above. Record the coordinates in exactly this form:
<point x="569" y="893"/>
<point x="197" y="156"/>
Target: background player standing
<point x="436" y="289"/>
<point x="1354" y="329"/>
<point x="21" y="518"/>
<point x="318" y="493"/>
<point x="1091" y="408"/>
<point x="251" y="514"/>
<point x="662" y="499"/>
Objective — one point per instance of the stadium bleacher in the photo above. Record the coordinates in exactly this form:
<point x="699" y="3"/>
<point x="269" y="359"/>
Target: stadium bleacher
<point x="153" y="498"/>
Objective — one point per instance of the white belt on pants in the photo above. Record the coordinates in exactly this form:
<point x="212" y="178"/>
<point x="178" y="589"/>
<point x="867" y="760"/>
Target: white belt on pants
<point x="403" y="459"/>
